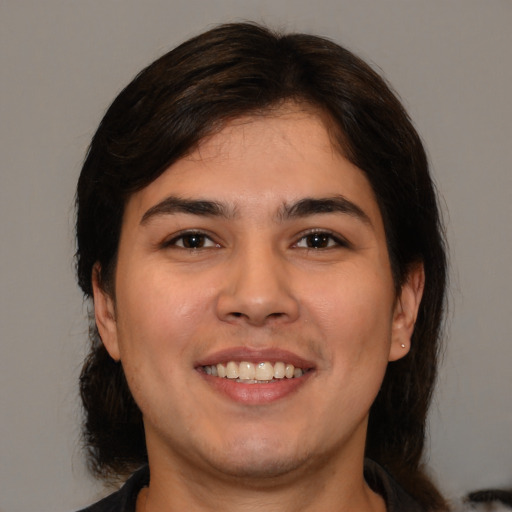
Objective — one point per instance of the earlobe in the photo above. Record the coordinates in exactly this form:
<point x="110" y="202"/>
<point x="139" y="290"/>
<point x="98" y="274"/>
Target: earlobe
<point x="406" y="312"/>
<point x="104" y="314"/>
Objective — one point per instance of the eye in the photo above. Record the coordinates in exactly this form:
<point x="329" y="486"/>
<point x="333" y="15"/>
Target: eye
<point x="192" y="240"/>
<point x="320" y="240"/>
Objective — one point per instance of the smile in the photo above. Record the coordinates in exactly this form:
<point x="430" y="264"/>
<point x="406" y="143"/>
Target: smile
<point x="249" y="373"/>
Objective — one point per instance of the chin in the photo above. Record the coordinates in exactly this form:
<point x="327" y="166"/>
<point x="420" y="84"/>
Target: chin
<point x="259" y="468"/>
<point x="259" y="459"/>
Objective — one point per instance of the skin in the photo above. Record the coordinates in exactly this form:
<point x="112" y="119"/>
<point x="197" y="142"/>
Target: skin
<point x="258" y="280"/>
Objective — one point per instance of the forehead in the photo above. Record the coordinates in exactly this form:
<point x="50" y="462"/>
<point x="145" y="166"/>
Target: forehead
<point x="281" y="156"/>
<point x="292" y="126"/>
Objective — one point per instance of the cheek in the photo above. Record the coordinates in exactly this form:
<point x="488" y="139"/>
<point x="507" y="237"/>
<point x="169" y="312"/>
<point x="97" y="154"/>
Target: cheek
<point x="158" y="328"/>
<point x="159" y="316"/>
<point x="354" y="307"/>
<point x="353" y="315"/>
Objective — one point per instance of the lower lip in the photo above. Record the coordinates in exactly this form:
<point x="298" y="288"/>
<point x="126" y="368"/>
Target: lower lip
<point x="256" y="394"/>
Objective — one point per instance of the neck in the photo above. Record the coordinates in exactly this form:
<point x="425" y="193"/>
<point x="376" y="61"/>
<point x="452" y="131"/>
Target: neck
<point x="317" y="488"/>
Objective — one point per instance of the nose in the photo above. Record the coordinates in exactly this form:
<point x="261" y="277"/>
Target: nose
<point x="257" y="290"/>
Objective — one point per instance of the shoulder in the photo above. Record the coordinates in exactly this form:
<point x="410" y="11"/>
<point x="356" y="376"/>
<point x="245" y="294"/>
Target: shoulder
<point x="396" y="498"/>
<point x="489" y="500"/>
<point x="124" y="499"/>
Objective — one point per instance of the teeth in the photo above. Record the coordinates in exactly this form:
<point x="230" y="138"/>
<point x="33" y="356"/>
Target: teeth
<point x="232" y="370"/>
<point x="264" y="371"/>
<point x="250" y="373"/>
<point x="279" y="370"/>
<point x="221" y="370"/>
<point x="246" y="371"/>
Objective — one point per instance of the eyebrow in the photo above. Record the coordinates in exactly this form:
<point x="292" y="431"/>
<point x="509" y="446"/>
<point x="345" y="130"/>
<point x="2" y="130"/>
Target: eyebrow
<point x="302" y="208"/>
<point x="314" y="206"/>
<point x="172" y="205"/>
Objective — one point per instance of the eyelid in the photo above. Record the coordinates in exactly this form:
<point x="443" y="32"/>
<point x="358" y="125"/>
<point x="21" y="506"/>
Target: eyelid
<point x="171" y="240"/>
<point x="340" y="241"/>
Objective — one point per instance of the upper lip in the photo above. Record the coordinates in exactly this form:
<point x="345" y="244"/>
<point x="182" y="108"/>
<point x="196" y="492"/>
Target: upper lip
<point x="272" y="355"/>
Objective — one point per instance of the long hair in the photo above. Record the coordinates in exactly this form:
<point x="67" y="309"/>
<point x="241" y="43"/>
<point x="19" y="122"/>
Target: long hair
<point x="191" y="92"/>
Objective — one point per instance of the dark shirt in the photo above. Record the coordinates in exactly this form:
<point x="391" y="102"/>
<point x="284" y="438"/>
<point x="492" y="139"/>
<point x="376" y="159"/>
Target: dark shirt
<point x="397" y="500"/>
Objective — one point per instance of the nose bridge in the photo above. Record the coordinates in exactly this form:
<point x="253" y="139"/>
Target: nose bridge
<point x="256" y="288"/>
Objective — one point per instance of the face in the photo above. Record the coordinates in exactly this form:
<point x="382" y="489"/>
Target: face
<point x="261" y="255"/>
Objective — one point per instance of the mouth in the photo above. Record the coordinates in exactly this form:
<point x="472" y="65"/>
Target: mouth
<point x="246" y="372"/>
<point x="254" y="377"/>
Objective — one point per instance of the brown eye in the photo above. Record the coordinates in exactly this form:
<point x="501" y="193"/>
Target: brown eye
<point x="320" y="240"/>
<point x="192" y="241"/>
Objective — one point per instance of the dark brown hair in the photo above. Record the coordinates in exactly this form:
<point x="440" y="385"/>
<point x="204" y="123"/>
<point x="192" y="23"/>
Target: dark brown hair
<point x="191" y="92"/>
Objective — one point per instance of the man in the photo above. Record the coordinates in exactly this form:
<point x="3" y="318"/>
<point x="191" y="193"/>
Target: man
<point x="258" y="229"/>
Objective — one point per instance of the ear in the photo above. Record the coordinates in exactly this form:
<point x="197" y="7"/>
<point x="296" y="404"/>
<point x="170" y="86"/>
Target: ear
<point x="104" y="314"/>
<point x="406" y="311"/>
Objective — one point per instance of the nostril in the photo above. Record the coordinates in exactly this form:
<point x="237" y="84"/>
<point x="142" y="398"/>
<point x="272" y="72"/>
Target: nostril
<point x="237" y="314"/>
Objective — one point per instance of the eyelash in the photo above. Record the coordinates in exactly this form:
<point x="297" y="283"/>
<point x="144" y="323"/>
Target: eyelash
<point x="333" y="241"/>
<point x="173" y="242"/>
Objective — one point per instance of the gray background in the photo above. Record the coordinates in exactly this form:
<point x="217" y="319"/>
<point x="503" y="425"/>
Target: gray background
<point x="63" y="61"/>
